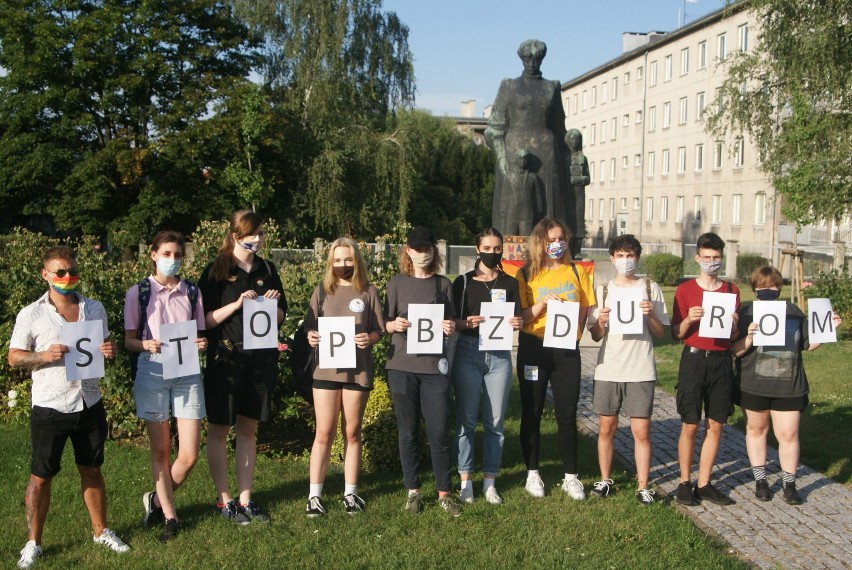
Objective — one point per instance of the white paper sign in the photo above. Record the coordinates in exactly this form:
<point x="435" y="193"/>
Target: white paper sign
<point x="820" y="323"/>
<point x="84" y="358"/>
<point x="425" y="335"/>
<point x="771" y="318"/>
<point x="717" y="321"/>
<point x="625" y="315"/>
<point x="179" y="351"/>
<point x="563" y="319"/>
<point x="495" y="332"/>
<point x="337" y="342"/>
<point x="260" y="323"/>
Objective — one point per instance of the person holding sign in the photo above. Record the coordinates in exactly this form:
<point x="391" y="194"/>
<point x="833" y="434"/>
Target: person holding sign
<point x="62" y="408"/>
<point x="419" y="383"/>
<point x="344" y="292"/>
<point x="159" y="300"/>
<point x="705" y="375"/>
<point x="548" y="281"/>
<point x="626" y="374"/>
<point x="238" y="381"/>
<point x="483" y="374"/>
<point x="773" y="383"/>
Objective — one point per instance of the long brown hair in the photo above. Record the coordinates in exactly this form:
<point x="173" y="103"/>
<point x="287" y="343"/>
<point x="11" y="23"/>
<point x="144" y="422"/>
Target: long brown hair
<point x="406" y="267"/>
<point x="535" y="254"/>
<point x="243" y="223"/>
<point x="359" y="277"/>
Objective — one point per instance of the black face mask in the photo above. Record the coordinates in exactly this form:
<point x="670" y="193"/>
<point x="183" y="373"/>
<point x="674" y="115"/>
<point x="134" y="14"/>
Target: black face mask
<point x="490" y="260"/>
<point x="767" y="294"/>
<point x="344" y="271"/>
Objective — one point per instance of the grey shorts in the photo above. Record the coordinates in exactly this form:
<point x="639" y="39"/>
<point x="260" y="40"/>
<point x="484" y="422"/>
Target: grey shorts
<point x="156" y="398"/>
<point x="636" y="399"/>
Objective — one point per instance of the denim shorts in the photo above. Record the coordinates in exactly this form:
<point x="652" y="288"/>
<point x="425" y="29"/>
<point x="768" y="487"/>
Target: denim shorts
<point x="155" y="397"/>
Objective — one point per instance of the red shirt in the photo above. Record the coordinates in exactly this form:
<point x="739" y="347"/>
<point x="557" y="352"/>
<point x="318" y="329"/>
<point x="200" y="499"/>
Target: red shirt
<point x="690" y="294"/>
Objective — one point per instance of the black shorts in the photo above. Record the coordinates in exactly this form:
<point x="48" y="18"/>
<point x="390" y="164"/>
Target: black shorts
<point x="757" y="403"/>
<point x="332" y="385"/>
<point x="240" y="382"/>
<point x="704" y="385"/>
<point x="50" y="430"/>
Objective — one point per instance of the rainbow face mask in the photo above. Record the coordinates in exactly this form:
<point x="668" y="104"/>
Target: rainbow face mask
<point x="65" y="285"/>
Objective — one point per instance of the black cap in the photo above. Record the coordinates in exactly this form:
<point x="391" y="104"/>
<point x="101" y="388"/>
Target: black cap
<point x="420" y="237"/>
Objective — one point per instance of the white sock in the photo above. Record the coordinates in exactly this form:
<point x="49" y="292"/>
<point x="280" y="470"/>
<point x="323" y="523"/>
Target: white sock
<point x="532" y="473"/>
<point x="487" y="483"/>
<point x="465" y="483"/>
<point x="315" y="490"/>
<point x="349" y="489"/>
<point x="412" y="492"/>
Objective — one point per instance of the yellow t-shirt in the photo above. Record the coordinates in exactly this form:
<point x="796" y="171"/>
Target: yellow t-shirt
<point x="562" y="281"/>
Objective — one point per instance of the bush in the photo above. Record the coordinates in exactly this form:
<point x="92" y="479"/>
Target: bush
<point x="748" y="262"/>
<point x="836" y="286"/>
<point x="664" y="268"/>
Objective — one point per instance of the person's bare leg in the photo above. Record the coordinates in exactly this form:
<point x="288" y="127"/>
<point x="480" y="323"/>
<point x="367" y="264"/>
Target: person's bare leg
<point x="785" y="425"/>
<point x="94" y="495"/>
<point x="245" y="456"/>
<point x="709" y="449"/>
<point x="757" y="427"/>
<point x="160" y="442"/>
<point x="686" y="449"/>
<point x="641" y="428"/>
<point x="354" y="403"/>
<point x="606" y="449"/>
<point x="37" y="504"/>
<point x="326" y="410"/>
<point x="217" y="459"/>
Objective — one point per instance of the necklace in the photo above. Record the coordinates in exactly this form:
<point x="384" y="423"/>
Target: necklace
<point x="485" y="282"/>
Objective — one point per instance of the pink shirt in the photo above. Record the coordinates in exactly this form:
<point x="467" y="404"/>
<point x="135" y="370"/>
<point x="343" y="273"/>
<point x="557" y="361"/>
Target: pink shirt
<point x="164" y="307"/>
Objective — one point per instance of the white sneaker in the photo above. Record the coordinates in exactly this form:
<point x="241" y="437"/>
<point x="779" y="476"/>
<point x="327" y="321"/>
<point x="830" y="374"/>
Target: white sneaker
<point x="573" y="488"/>
<point x="29" y="554"/>
<point x="110" y="539"/>
<point x="466" y="495"/>
<point x="535" y="486"/>
<point x="493" y="497"/>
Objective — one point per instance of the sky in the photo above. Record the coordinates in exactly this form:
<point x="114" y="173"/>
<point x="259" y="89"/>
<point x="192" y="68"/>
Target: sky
<point x="463" y="48"/>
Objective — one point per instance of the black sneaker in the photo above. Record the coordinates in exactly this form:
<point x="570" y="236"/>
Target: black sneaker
<point x="230" y="512"/>
<point x="153" y="513"/>
<point x="170" y="530"/>
<point x="684" y="494"/>
<point x="791" y="495"/>
<point x="451" y="505"/>
<point x="253" y="512"/>
<point x="414" y="504"/>
<point x="645" y="496"/>
<point x="314" y="508"/>
<point x="353" y="504"/>
<point x="761" y="490"/>
<point x="603" y="488"/>
<point x="710" y="493"/>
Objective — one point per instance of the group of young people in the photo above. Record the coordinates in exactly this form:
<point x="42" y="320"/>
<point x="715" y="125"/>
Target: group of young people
<point x="237" y="384"/>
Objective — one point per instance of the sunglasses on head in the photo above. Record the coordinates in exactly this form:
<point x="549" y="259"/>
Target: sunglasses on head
<point x="73" y="272"/>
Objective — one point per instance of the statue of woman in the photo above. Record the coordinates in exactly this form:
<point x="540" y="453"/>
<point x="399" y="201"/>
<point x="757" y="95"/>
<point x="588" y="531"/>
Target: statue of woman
<point x="579" y="177"/>
<point x="528" y="116"/>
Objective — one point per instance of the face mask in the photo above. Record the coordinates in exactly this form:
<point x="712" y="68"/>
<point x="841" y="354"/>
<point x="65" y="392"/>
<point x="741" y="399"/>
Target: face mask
<point x="490" y="260"/>
<point x="421" y="260"/>
<point x="65" y="285"/>
<point x="710" y="267"/>
<point x="344" y="271"/>
<point x="168" y="267"/>
<point x="252" y="246"/>
<point x="555" y="249"/>
<point x="625" y="265"/>
<point x="767" y="294"/>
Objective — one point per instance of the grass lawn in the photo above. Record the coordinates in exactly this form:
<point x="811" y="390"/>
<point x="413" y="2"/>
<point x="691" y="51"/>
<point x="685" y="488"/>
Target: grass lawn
<point x="826" y="419"/>
<point x="554" y="532"/>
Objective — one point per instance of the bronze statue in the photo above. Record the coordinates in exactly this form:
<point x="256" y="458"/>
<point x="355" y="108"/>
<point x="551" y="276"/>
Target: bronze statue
<point x="579" y="171"/>
<point x="528" y="118"/>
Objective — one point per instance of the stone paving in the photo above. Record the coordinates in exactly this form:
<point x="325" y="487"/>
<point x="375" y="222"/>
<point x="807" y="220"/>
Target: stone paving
<point x="817" y="534"/>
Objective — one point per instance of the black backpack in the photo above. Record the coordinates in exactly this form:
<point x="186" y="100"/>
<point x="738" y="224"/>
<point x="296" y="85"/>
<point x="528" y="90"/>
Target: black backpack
<point x="303" y="358"/>
<point x="144" y="299"/>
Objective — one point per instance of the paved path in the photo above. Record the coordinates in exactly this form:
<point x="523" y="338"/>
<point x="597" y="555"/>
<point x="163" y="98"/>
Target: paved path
<point x="817" y="534"/>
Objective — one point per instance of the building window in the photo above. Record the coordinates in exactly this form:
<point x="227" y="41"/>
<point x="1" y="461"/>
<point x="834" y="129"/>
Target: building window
<point x="601" y="211"/>
<point x="585" y="99"/>
<point x="717" y="155"/>
<point x="612" y="169"/>
<point x="614" y="88"/>
<point x="697" y="206"/>
<point x="604" y="92"/>
<point x="722" y="47"/>
<point x="664" y="170"/>
<point x="742" y="35"/>
<point x="720" y="101"/>
<point x="664" y="208"/>
<point x="652" y="80"/>
<point x="684" y="61"/>
<point x="760" y="208"/>
<point x="603" y="170"/>
<point x="614" y="128"/>
<point x="667" y="114"/>
<point x="667" y="68"/>
<point x="737" y="209"/>
<point x="636" y="203"/>
<point x="575" y="99"/>
<point x="591" y="170"/>
<point x="590" y="214"/>
<point x="652" y="119"/>
<point x="702" y="55"/>
<point x="593" y="133"/>
<point x="638" y="116"/>
<point x="651" y="163"/>
<point x="612" y="208"/>
<point x="603" y="131"/>
<point x="649" y="209"/>
<point x="640" y="72"/>
<point x="699" y="103"/>
<point x="739" y="152"/>
<point x="683" y="110"/>
<point x="625" y="121"/>
<point x="624" y="203"/>
<point x="717" y="209"/>
<point x="594" y="96"/>
<point x="681" y="159"/>
<point x="699" y="157"/>
<point x="679" y="209"/>
<point x="624" y="162"/>
<point x="626" y="77"/>
<point x="637" y="159"/>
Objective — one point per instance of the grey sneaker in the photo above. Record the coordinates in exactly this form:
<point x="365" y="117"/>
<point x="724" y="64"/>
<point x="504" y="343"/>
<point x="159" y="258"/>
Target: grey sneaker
<point x="414" y="503"/>
<point x="645" y="496"/>
<point x="451" y="505"/>
<point x="29" y="554"/>
<point x="230" y="512"/>
<point x="253" y="512"/>
<point x="603" y="488"/>
<point x="109" y="539"/>
<point x="761" y="490"/>
<point x="353" y="504"/>
<point x="153" y="513"/>
<point x="314" y="509"/>
<point x="171" y="528"/>
<point x="790" y="495"/>
<point x="466" y="495"/>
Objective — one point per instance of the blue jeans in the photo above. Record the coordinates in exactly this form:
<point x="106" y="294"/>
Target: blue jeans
<point x="480" y="373"/>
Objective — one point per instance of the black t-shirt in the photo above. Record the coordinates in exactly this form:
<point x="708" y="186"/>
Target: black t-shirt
<point x="503" y="288"/>
<point x="262" y="277"/>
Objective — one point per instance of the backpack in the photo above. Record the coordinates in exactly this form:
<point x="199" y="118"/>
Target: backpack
<point x="303" y="358"/>
<point x="144" y="298"/>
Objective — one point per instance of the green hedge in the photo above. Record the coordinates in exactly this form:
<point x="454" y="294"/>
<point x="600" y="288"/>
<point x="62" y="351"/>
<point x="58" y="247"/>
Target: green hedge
<point x="664" y="268"/>
<point x="748" y="262"/>
<point x="836" y="286"/>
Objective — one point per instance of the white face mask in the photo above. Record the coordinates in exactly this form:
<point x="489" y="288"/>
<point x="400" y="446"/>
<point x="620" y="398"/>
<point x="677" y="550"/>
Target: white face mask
<point x="625" y="265"/>
<point x="421" y="260"/>
<point x="710" y="267"/>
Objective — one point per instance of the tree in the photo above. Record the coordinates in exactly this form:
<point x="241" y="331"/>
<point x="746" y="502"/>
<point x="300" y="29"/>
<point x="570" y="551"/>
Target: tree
<point x="793" y="94"/>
